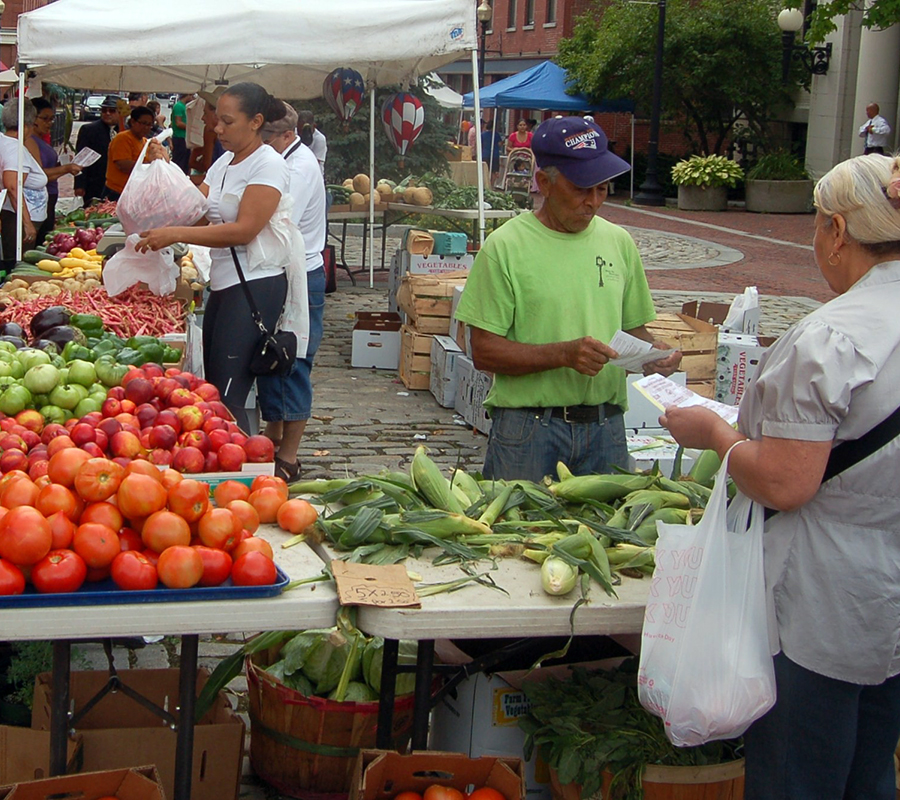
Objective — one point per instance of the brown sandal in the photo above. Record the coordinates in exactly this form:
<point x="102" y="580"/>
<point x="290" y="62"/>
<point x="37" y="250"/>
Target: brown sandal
<point x="290" y="473"/>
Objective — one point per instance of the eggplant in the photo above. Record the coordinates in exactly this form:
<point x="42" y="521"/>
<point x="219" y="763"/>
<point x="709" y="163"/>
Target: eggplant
<point x="52" y="317"/>
<point x="16" y="340"/>
<point x="50" y="347"/>
<point x="61" y="335"/>
<point x="12" y="329"/>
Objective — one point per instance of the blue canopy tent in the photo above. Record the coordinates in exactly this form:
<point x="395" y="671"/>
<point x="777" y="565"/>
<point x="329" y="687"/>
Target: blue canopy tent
<point x="541" y="87"/>
<point x="544" y="87"/>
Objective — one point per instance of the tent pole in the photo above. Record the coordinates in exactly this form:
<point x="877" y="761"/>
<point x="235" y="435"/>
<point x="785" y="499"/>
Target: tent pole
<point x="479" y="171"/>
<point x="632" y="155"/>
<point x="20" y="198"/>
<point x="493" y="139"/>
<point x="372" y="188"/>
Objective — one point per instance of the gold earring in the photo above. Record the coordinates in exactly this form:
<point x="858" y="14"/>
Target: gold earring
<point x="837" y="259"/>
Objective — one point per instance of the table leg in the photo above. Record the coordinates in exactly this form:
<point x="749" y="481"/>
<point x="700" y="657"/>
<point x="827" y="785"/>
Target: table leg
<point x="341" y="261"/>
<point x="187" y="695"/>
<point x="386" y="699"/>
<point x="422" y="709"/>
<point x="59" y="707"/>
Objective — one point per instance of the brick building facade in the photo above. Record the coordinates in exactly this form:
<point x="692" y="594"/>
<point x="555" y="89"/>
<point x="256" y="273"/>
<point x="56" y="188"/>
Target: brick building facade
<point x="8" y="26"/>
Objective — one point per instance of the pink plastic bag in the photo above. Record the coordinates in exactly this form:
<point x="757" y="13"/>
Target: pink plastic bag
<point x="158" y="195"/>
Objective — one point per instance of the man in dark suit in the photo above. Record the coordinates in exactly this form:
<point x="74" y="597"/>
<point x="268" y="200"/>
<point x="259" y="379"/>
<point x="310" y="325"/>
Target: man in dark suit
<point x="96" y="135"/>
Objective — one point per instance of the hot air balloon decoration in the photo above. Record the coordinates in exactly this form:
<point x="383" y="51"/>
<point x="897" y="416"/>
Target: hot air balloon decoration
<point x="403" y="116"/>
<point x="344" y="90"/>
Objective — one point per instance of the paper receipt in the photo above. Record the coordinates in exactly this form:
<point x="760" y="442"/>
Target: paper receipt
<point x="665" y="393"/>
<point x="634" y="352"/>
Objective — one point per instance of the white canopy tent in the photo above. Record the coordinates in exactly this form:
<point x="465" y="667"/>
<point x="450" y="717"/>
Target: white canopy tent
<point x="288" y="46"/>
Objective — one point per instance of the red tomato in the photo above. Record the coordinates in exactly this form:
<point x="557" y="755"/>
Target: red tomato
<point x="152" y="557"/>
<point x="485" y="793"/>
<point x="220" y="528"/>
<point x="12" y="581"/>
<point x="216" y="565"/>
<point x="64" y="465"/>
<point x="180" y="567"/>
<point x="263" y="481"/>
<point x="245" y="513"/>
<point x="62" y="529"/>
<point x="59" y="571"/>
<point x="295" y="516"/>
<point x="132" y="570"/>
<point x="170" y="478"/>
<point x="97" y="574"/>
<point x="254" y="569"/>
<point x="104" y="513"/>
<point x="438" y="792"/>
<point x="227" y="491"/>
<point x="165" y="529"/>
<point x="267" y="501"/>
<point x="140" y="496"/>
<point x="97" y="544"/>
<point x="144" y="468"/>
<point x="55" y="498"/>
<point x="253" y="544"/>
<point x="130" y="540"/>
<point x="98" y="479"/>
<point x="189" y="499"/>
<point x="19" y="493"/>
<point x="408" y="796"/>
<point x="25" y="536"/>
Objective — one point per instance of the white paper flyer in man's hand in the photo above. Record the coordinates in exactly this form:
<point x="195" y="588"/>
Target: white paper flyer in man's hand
<point x="86" y="157"/>
<point x="665" y="393"/>
<point x="634" y="352"/>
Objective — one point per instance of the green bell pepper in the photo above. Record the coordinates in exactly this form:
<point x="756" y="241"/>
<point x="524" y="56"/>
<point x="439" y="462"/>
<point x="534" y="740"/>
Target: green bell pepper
<point x="171" y="355"/>
<point x="104" y="347"/>
<point x="130" y="356"/>
<point x="73" y="351"/>
<point x="138" y="341"/>
<point x="152" y="352"/>
<point x="90" y="324"/>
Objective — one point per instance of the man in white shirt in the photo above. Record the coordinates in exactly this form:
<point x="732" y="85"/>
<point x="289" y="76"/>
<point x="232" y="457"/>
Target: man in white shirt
<point x="875" y="130"/>
<point x="286" y="401"/>
<point x="319" y="144"/>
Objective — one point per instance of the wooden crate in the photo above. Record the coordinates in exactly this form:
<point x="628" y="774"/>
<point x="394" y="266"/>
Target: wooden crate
<point x="427" y="299"/>
<point x="697" y="341"/>
<point x="415" y="358"/>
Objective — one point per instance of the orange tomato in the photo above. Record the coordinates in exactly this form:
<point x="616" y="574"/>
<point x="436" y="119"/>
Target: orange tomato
<point x="438" y="792"/>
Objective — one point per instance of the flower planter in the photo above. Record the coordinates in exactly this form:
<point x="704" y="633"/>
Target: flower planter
<point x="716" y="782"/>
<point x="702" y="198"/>
<point x="778" y="197"/>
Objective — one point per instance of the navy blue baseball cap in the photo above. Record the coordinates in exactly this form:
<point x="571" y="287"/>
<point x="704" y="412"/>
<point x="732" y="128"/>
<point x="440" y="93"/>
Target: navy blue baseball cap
<point x="579" y="149"/>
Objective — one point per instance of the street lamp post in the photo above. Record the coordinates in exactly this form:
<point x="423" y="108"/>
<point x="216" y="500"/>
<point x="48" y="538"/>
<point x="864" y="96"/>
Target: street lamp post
<point x="651" y="192"/>
<point x="814" y="59"/>
<point x="484" y="12"/>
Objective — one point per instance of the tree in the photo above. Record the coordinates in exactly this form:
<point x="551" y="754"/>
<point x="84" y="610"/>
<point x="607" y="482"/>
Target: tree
<point x="348" y="150"/>
<point x="722" y="63"/>
<point x="877" y="14"/>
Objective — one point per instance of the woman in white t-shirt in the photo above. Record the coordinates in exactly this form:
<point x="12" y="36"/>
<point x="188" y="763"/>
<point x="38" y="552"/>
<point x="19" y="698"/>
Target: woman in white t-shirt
<point x="34" y="183"/>
<point x="244" y="188"/>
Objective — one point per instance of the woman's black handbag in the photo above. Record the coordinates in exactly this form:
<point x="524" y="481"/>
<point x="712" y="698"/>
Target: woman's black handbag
<point x="274" y="353"/>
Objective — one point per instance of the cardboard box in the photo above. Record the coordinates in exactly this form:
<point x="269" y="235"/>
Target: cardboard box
<point x="138" y="783"/>
<point x="646" y="450"/>
<point x="641" y="412"/>
<point x="415" y="358"/>
<point x="382" y="774"/>
<point x="444" y="352"/>
<point x="25" y="754"/>
<point x="119" y="733"/>
<point x="376" y="340"/>
<point x="715" y="313"/>
<point x="738" y="359"/>
<point x="433" y="264"/>
<point x="450" y="243"/>
<point x="426" y="300"/>
<point x="472" y="387"/>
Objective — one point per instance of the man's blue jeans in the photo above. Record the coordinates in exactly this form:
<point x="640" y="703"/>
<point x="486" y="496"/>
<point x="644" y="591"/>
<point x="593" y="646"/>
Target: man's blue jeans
<point x="825" y="739"/>
<point x="526" y="445"/>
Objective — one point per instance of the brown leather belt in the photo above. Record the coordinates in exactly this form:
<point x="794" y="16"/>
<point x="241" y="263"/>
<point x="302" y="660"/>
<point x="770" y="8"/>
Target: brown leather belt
<point x="580" y="415"/>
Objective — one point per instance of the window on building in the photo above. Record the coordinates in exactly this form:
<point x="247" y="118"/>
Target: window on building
<point x="529" y="13"/>
<point x="511" y="14"/>
<point x="551" y="12"/>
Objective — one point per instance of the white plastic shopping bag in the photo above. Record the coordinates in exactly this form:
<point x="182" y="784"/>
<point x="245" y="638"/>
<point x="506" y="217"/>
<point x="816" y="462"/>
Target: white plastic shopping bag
<point x="158" y="195"/>
<point x="705" y="666"/>
<point x="129" y="266"/>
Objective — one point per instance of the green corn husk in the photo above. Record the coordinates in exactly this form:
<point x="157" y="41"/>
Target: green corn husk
<point x="323" y="656"/>
<point x="373" y="661"/>
<point x="490" y="514"/>
<point x="431" y="484"/>
<point x="557" y="576"/>
<point x="468" y="485"/>
<point x="705" y="468"/>
<point x="298" y="682"/>
<point x="319" y="487"/>
<point x="563" y="472"/>
<point x="603" y="488"/>
<point x="628" y="556"/>
<point x="443" y="524"/>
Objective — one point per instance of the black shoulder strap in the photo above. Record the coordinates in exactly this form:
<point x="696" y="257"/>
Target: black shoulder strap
<point x="849" y="454"/>
<point x="290" y="152"/>
<point x="254" y="312"/>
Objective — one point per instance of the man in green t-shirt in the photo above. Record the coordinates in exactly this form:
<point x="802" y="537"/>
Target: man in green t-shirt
<point x="181" y="155"/>
<point x="545" y="294"/>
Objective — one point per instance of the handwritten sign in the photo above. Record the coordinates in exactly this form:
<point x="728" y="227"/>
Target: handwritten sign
<point x="370" y="585"/>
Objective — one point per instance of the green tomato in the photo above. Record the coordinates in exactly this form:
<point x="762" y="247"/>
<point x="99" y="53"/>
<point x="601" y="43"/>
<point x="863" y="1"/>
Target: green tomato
<point x="42" y="378"/>
<point x="15" y="399"/>
<point x="82" y="373"/>
<point x="7" y="347"/>
<point x="31" y="358"/>
<point x="6" y="369"/>
<point x="53" y="414"/>
<point x="87" y="406"/>
<point x="67" y="397"/>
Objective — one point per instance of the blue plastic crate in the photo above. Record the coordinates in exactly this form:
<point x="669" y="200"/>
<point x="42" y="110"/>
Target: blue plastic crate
<point x="449" y="243"/>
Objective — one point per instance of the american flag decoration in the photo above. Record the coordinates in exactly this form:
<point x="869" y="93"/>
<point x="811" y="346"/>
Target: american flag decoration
<point x="403" y="116"/>
<point x="344" y="90"/>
